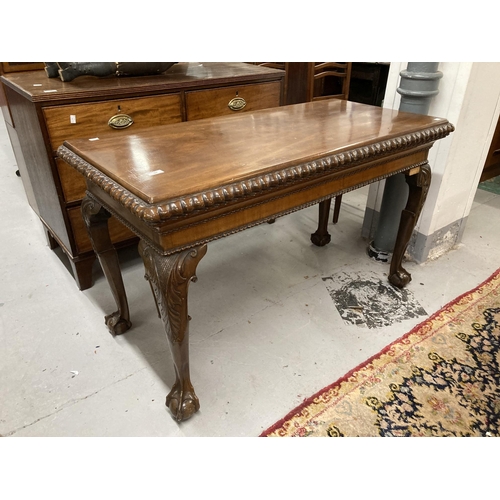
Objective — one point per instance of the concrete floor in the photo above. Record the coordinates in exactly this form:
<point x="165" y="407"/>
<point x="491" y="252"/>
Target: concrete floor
<point x="265" y="333"/>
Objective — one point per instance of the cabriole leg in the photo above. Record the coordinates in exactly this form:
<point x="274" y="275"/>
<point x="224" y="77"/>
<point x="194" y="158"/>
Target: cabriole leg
<point x="169" y="277"/>
<point x="419" y="187"/>
<point x="322" y="237"/>
<point x="96" y="221"/>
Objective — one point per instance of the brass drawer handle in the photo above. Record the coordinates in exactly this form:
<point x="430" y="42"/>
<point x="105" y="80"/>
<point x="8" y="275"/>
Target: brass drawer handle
<point x="237" y="103"/>
<point x="120" y="121"/>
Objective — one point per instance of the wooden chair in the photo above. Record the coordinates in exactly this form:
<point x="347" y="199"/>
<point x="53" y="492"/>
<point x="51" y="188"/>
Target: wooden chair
<point x="329" y="80"/>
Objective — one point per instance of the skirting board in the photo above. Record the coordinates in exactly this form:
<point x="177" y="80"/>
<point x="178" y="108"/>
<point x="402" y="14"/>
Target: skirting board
<point x="421" y="247"/>
<point x="429" y="247"/>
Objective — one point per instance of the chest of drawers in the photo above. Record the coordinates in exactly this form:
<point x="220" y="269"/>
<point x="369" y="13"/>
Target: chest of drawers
<point x="42" y="112"/>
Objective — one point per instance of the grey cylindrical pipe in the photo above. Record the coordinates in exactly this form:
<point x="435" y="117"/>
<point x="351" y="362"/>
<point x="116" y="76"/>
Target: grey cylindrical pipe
<point x="419" y="84"/>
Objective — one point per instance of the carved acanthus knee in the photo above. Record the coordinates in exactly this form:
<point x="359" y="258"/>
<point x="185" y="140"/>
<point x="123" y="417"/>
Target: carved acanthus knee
<point x="169" y="277"/>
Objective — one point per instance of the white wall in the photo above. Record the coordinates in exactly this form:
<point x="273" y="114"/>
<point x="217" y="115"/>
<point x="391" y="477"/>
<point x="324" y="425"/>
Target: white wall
<point x="469" y="97"/>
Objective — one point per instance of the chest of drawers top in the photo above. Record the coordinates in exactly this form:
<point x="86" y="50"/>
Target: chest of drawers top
<point x="38" y="88"/>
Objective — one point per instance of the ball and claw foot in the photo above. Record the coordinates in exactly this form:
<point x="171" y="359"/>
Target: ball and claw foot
<point x="116" y="324"/>
<point x="182" y="404"/>
<point x="400" y="278"/>
<point x="320" y="240"/>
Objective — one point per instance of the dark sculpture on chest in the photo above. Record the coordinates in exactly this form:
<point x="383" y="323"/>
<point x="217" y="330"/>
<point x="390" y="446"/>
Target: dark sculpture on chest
<point x="68" y="71"/>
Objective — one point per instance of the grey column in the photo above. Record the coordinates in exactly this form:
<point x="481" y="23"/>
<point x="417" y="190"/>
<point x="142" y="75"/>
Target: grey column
<point x="419" y="84"/>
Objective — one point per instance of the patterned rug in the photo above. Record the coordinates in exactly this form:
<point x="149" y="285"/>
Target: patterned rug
<point x="440" y="379"/>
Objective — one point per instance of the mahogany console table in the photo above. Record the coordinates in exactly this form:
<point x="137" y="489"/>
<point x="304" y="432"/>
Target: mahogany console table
<point x="178" y="187"/>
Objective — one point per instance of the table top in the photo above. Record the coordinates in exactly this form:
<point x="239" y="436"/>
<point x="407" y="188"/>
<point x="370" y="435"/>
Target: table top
<point x="36" y="86"/>
<point x="172" y="161"/>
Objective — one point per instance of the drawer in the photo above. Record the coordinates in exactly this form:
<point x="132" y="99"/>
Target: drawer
<point x="209" y="103"/>
<point x="117" y="231"/>
<point x="91" y="120"/>
<point x="72" y="182"/>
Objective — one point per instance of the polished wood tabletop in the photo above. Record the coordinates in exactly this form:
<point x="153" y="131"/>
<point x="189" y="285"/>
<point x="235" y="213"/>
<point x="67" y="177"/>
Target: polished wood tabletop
<point x="181" y="186"/>
<point x="171" y="161"/>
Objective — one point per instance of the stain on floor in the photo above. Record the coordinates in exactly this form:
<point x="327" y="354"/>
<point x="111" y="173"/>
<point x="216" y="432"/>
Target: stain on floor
<point x="369" y="300"/>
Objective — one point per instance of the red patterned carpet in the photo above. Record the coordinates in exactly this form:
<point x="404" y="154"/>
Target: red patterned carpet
<point x="440" y="379"/>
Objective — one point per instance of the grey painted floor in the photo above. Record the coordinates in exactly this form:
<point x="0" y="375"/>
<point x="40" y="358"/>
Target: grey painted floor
<point x="265" y="331"/>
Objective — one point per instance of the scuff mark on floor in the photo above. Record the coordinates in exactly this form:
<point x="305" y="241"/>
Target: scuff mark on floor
<point x="369" y="300"/>
<point x="70" y="403"/>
